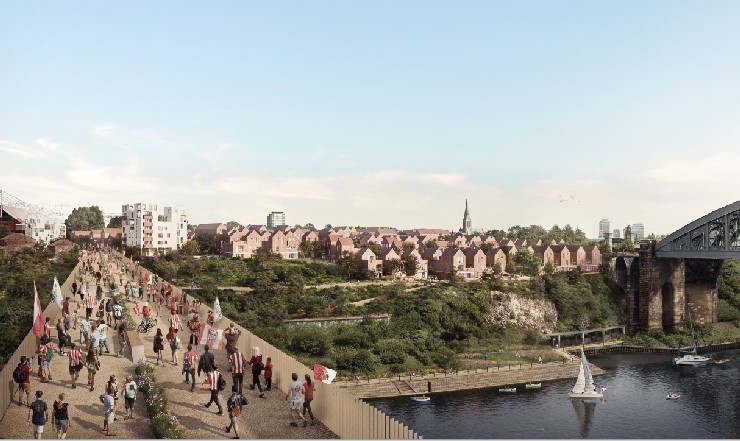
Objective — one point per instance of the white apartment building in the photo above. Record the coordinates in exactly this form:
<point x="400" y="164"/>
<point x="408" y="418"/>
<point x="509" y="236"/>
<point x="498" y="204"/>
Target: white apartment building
<point x="38" y="224"/>
<point x="144" y="227"/>
<point x="603" y="228"/>
<point x="275" y="219"/>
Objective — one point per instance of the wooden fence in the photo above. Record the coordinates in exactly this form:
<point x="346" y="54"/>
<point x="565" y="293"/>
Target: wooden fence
<point x="344" y="414"/>
<point x="28" y="348"/>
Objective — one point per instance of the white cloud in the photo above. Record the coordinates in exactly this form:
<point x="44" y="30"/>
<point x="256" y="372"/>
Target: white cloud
<point x="210" y="155"/>
<point x="48" y="145"/>
<point x="21" y="150"/>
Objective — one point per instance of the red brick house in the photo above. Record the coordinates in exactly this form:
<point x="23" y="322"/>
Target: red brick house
<point x="544" y="253"/>
<point x="577" y="255"/>
<point x="61" y="246"/>
<point x="561" y="257"/>
<point x="593" y="258"/>
<point x="449" y="259"/>
<point x="386" y="256"/>
<point x="475" y="262"/>
<point x="369" y="261"/>
<point x="422" y="265"/>
<point x="16" y="241"/>
<point x="496" y="256"/>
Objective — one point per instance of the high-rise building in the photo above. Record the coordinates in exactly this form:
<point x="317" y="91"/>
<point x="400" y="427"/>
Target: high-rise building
<point x="638" y="232"/>
<point x="603" y="228"/>
<point x="467" y="221"/>
<point x="617" y="234"/>
<point x="145" y="228"/>
<point x="275" y="219"/>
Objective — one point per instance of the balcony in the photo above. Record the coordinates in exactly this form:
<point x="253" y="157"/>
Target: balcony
<point x="148" y="224"/>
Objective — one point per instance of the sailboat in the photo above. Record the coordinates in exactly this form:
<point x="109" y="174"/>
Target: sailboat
<point x="585" y="387"/>
<point x="691" y="358"/>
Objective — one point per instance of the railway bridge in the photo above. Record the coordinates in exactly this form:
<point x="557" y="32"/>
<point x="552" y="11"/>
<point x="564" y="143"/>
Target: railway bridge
<point x="667" y="280"/>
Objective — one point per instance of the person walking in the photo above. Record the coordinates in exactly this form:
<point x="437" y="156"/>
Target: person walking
<point x="60" y="417"/>
<point x="122" y="339"/>
<point x="237" y="361"/>
<point x="129" y="391"/>
<point x="175" y="345"/>
<point x="109" y="414"/>
<point x="206" y="362"/>
<point x="117" y="314"/>
<point x="75" y="317"/>
<point x="214" y="380"/>
<point x="257" y="367"/>
<point x="158" y="344"/>
<point x="295" y="393"/>
<point x="112" y="388"/>
<point x="309" y="389"/>
<point x="157" y="302"/>
<point x="102" y="329"/>
<point x="175" y="323"/>
<point x="38" y="414"/>
<point x="46" y="355"/>
<point x="232" y="341"/>
<point x="268" y="374"/>
<point x="84" y="331"/>
<point x="93" y="364"/>
<point x="47" y="328"/>
<point x="75" y="364"/>
<point x="65" y="306"/>
<point x="194" y="327"/>
<point x="62" y="335"/>
<point x="67" y="319"/>
<point x="23" y="380"/>
<point x="234" y="405"/>
<point x="89" y="305"/>
<point x="188" y="366"/>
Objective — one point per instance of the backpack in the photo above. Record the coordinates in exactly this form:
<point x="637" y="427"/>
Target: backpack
<point x="236" y="410"/>
<point x="18" y="374"/>
<point x="131" y="391"/>
<point x="117" y="313"/>
<point x="49" y="354"/>
<point x="221" y="382"/>
<point x="260" y="367"/>
<point x="186" y="367"/>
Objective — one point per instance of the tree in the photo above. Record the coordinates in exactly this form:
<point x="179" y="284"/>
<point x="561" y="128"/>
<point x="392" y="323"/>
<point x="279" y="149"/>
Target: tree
<point x="495" y="232"/>
<point x="205" y="242"/>
<point x="349" y="262"/>
<point x="374" y="247"/>
<point x="84" y="218"/>
<point x="410" y="266"/>
<point x="115" y="222"/>
<point x="526" y="263"/>
<point x="408" y="246"/>
<point x="432" y="245"/>
<point x="233" y="224"/>
<point x="4" y="231"/>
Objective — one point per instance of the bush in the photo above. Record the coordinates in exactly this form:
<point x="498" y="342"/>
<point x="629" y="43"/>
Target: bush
<point x="310" y="339"/>
<point x="163" y="424"/>
<point x="726" y="312"/>
<point x="356" y="361"/>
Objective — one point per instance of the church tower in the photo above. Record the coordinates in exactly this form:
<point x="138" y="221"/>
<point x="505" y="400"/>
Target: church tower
<point x="467" y="222"/>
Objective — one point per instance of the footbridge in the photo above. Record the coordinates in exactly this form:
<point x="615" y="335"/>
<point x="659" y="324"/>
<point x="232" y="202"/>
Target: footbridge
<point x="667" y="280"/>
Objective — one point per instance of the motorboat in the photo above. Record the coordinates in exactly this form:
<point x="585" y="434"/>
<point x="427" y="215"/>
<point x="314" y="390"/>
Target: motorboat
<point x="672" y="396"/>
<point x="508" y="390"/>
<point x="585" y="387"/>
<point x="533" y="386"/>
<point x="421" y="399"/>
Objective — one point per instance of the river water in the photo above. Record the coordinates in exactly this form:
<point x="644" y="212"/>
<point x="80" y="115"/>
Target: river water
<point x="634" y="405"/>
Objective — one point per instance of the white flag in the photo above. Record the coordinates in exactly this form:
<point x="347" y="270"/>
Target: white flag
<point x="216" y="311"/>
<point x="56" y="293"/>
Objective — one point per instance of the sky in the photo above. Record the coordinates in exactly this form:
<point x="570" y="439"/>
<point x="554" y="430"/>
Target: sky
<point x="378" y="113"/>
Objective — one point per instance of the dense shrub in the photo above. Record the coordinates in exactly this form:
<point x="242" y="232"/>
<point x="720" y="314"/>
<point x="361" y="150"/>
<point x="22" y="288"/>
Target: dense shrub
<point x="310" y="339"/>
<point x="163" y="424"/>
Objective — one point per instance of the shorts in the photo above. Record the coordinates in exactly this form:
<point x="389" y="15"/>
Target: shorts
<point x="109" y="417"/>
<point x="63" y="423"/>
<point x="38" y="429"/>
<point x="130" y="403"/>
<point x="46" y="364"/>
<point x="72" y="371"/>
<point x="295" y="404"/>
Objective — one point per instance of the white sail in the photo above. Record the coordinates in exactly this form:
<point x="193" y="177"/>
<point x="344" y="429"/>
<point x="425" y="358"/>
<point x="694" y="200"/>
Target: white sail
<point x="589" y="379"/>
<point x="580" y="382"/>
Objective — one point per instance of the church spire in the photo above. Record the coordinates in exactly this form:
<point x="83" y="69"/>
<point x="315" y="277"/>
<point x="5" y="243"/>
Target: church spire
<point x="467" y="221"/>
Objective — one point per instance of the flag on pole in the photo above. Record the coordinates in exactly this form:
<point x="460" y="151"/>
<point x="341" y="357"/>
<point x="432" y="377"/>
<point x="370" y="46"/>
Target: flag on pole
<point x="56" y="293"/>
<point x="324" y="374"/>
<point x="216" y="310"/>
<point x="38" y="314"/>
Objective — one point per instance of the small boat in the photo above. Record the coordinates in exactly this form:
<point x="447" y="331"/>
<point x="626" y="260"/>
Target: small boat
<point x="509" y="390"/>
<point x="585" y="387"/>
<point x="672" y="396"/>
<point x="722" y="361"/>
<point x="421" y="399"/>
<point x="691" y="358"/>
<point x="533" y="386"/>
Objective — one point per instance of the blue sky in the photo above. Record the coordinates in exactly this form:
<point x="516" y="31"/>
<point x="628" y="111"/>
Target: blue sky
<point x="376" y="113"/>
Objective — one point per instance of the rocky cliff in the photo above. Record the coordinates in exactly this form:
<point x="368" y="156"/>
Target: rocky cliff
<point x="514" y="309"/>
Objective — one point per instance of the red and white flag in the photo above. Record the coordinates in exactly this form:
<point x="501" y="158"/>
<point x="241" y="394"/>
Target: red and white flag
<point x="38" y="314"/>
<point x="210" y="336"/>
<point x="324" y="374"/>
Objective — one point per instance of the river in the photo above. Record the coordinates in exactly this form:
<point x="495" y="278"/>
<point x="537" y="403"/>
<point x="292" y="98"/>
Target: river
<point x="635" y="405"/>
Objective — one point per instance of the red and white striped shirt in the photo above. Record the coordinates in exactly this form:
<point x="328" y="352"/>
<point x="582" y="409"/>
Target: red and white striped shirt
<point x="237" y="362"/>
<point x="193" y="357"/>
<point x="136" y="309"/>
<point x="175" y="322"/>
<point x="47" y="329"/>
<point x="213" y="379"/>
<point x="74" y="357"/>
<point x="90" y="301"/>
<point x="44" y="348"/>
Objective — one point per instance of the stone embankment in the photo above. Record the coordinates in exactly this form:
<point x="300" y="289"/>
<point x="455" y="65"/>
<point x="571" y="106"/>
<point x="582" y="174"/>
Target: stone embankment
<point x="507" y="375"/>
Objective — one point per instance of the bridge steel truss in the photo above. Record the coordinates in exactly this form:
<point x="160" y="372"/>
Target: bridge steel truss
<point x="714" y="236"/>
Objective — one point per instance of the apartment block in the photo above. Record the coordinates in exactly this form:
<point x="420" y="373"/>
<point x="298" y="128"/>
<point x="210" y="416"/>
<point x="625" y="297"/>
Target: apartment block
<point x="145" y="227"/>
